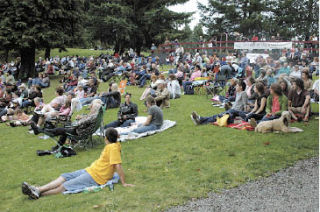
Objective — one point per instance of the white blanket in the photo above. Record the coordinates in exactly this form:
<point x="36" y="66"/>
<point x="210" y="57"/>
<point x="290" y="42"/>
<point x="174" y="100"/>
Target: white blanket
<point x="140" y="120"/>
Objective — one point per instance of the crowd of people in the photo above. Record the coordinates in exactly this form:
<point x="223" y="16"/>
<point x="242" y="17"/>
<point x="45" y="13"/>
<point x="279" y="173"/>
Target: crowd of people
<point x="256" y="90"/>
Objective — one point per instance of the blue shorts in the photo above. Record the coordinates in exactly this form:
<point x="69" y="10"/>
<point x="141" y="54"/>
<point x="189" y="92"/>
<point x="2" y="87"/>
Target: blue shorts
<point x="78" y="180"/>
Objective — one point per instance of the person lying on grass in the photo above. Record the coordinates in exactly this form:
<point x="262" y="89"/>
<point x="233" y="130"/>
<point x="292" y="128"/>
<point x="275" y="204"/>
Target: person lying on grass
<point x="238" y="108"/>
<point x="99" y="173"/>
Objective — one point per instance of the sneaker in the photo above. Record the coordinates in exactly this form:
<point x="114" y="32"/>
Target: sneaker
<point x="195" y="118"/>
<point x="35" y="128"/>
<point x="253" y="122"/>
<point x="29" y="190"/>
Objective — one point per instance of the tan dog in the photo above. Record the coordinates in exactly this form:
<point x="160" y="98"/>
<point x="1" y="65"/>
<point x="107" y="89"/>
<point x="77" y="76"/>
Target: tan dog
<point x="277" y="125"/>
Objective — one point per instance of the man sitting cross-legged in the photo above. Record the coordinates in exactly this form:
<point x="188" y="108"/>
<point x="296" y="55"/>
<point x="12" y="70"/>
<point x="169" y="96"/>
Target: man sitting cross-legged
<point x="154" y="119"/>
<point x="99" y="173"/>
<point x="299" y="100"/>
<point x="126" y="115"/>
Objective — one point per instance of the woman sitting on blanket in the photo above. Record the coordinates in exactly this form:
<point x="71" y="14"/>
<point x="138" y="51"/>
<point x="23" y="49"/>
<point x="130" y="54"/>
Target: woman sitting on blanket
<point x="277" y="102"/>
<point x="259" y="110"/>
<point x="100" y="172"/>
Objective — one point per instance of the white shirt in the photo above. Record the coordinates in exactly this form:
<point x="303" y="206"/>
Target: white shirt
<point x="174" y="88"/>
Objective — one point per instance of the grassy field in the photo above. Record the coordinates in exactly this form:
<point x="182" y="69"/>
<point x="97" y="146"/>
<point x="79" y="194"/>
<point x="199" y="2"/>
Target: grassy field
<point x="77" y="51"/>
<point x="170" y="168"/>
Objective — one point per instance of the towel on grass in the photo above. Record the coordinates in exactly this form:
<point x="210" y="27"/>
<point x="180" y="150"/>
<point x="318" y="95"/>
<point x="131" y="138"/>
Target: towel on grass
<point x="115" y="179"/>
<point x="139" y="120"/>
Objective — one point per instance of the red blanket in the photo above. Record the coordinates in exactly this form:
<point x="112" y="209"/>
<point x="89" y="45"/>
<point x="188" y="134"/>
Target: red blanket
<point x="240" y="126"/>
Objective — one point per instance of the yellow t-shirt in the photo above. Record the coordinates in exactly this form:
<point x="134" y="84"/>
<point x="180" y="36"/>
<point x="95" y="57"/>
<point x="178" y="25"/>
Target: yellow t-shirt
<point x="102" y="169"/>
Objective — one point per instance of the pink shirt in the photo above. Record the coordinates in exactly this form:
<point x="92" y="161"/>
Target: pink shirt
<point x="64" y="111"/>
<point x="195" y="75"/>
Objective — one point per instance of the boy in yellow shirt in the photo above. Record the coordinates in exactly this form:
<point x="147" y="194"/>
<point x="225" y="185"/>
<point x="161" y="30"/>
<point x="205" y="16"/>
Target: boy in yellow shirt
<point x="98" y="173"/>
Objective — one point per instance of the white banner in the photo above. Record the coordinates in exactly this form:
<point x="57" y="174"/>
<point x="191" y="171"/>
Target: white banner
<point x="253" y="56"/>
<point x="262" y="45"/>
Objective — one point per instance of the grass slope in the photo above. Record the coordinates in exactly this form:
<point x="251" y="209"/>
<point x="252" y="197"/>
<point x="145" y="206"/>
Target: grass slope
<point x="170" y="168"/>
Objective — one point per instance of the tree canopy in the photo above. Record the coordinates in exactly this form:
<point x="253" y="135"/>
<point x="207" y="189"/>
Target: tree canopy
<point x="267" y="17"/>
<point x="27" y="25"/>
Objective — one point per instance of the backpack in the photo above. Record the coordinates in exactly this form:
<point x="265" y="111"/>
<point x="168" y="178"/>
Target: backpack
<point x="64" y="151"/>
<point x="189" y="90"/>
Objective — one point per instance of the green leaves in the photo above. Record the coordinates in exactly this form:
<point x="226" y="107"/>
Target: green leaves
<point x="287" y="17"/>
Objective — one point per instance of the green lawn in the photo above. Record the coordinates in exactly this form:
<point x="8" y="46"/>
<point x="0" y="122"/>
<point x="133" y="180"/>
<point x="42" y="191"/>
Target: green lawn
<point x="168" y="169"/>
<point x="77" y="51"/>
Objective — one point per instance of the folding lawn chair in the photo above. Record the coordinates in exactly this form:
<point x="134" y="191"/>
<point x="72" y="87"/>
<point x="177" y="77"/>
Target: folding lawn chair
<point x="85" y="139"/>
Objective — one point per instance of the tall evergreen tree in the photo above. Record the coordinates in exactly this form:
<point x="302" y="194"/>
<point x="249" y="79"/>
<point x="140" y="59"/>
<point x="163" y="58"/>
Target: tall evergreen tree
<point x="267" y="17"/>
<point x="244" y="16"/>
<point x="293" y="18"/>
<point x="135" y="23"/>
<point x="27" y="25"/>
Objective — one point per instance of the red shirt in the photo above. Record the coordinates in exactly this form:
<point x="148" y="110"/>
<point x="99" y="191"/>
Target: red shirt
<point x="275" y="104"/>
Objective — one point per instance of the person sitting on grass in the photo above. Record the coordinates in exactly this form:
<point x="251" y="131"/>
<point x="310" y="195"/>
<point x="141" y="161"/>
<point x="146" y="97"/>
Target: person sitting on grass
<point x="77" y="127"/>
<point x="299" y="100"/>
<point x="174" y="87"/>
<point x="126" y="115"/>
<point x="230" y="94"/>
<point x="259" y="109"/>
<point x="162" y="96"/>
<point x="238" y="108"/>
<point x="99" y="173"/>
<point x="154" y="120"/>
<point x="277" y="102"/>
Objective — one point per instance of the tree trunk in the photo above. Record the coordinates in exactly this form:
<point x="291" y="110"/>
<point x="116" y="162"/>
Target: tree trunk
<point x="47" y="53"/>
<point x="27" y="63"/>
<point x="6" y="55"/>
<point x="116" y="48"/>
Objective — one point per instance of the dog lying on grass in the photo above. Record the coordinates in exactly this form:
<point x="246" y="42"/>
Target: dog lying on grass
<point x="277" y="125"/>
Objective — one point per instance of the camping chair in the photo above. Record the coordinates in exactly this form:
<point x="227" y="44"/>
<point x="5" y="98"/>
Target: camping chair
<point x="85" y="139"/>
<point x="199" y="85"/>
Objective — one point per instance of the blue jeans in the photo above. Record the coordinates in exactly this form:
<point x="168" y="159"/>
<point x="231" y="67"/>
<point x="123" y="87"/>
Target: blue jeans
<point x="185" y="83"/>
<point x="87" y="100"/>
<point x="76" y="180"/>
<point x="265" y="118"/>
<point x="117" y="123"/>
<point x="257" y="117"/>
<point x="144" y="79"/>
<point x="144" y="129"/>
<point x="233" y="113"/>
<point x="209" y="119"/>
<point x="225" y="99"/>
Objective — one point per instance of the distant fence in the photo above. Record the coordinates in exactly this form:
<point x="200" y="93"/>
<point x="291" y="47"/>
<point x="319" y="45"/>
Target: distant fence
<point x="223" y="47"/>
<point x="230" y="45"/>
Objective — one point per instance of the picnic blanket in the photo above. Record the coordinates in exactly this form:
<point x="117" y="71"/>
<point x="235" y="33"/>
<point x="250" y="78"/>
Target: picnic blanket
<point x="140" y="120"/>
<point x="115" y="179"/>
<point x="240" y="126"/>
